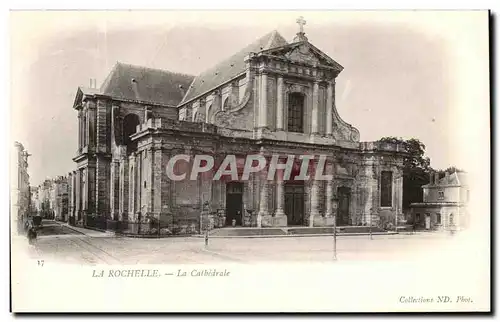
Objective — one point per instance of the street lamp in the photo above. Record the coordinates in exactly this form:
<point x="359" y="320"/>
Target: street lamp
<point x="335" y="202"/>
<point x="370" y="223"/>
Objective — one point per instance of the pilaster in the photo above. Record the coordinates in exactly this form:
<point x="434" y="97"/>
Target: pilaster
<point x="329" y="109"/>
<point x="279" y="105"/>
<point x="132" y="183"/>
<point x="314" y="194"/>
<point x="264" y="202"/>
<point x="123" y="205"/>
<point x="263" y="101"/>
<point x="329" y="192"/>
<point x="315" y="109"/>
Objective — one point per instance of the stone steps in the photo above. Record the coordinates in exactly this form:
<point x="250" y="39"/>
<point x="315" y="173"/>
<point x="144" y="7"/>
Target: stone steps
<point x="254" y="231"/>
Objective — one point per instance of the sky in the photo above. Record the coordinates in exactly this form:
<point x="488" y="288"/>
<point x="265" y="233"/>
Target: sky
<point x="408" y="74"/>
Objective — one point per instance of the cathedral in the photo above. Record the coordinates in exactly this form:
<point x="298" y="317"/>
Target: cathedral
<point x="273" y="97"/>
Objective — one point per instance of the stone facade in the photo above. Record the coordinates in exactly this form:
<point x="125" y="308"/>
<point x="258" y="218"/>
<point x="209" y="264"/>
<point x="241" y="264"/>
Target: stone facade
<point x="245" y="106"/>
<point x="20" y="186"/>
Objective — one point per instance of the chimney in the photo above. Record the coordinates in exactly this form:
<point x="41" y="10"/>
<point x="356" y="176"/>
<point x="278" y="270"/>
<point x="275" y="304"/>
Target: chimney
<point x="93" y="83"/>
<point x="436" y="177"/>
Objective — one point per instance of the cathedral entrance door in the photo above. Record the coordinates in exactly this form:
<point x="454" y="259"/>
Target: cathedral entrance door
<point x="344" y="195"/>
<point x="234" y="203"/>
<point x="294" y="203"/>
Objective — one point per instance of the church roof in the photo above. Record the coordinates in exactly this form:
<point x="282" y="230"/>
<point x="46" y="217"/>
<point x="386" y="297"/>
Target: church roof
<point x="232" y="66"/>
<point x="454" y="179"/>
<point x="145" y="84"/>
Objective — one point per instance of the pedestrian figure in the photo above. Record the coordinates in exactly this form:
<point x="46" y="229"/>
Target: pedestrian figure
<point x="31" y="232"/>
<point x="139" y="218"/>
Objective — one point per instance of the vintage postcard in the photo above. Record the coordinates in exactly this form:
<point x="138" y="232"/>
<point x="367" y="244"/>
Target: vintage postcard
<point x="253" y="161"/>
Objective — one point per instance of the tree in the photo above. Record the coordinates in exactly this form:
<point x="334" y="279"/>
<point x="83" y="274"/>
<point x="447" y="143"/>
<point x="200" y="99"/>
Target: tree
<point x="451" y="169"/>
<point x="416" y="169"/>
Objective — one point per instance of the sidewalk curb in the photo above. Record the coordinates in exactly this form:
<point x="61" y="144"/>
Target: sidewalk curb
<point x="104" y="233"/>
<point x="301" y="235"/>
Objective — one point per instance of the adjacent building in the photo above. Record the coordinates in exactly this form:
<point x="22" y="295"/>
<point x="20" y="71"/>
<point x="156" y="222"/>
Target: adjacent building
<point x="51" y="199"/>
<point x="444" y="205"/>
<point x="272" y="97"/>
<point x="20" y="185"/>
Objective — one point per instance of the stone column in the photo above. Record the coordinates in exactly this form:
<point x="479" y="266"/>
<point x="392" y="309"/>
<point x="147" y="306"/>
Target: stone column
<point x="370" y="185"/>
<point x="78" y="194"/>
<point x="148" y="178"/>
<point x="124" y="201"/>
<point x="315" y="109"/>
<point x="263" y="101"/>
<point x="80" y="132"/>
<point x="314" y="196"/>
<point x="314" y="202"/>
<point x="85" y="184"/>
<point x="280" y="216"/>
<point x="399" y="194"/>
<point x="70" y="195"/>
<point x="73" y="194"/>
<point x="161" y="187"/>
<point x="132" y="179"/>
<point x="329" y="192"/>
<point x="279" y="105"/>
<point x="263" y="202"/>
<point x="280" y="197"/>
<point x="138" y="188"/>
<point x="329" y="109"/>
<point x="114" y="189"/>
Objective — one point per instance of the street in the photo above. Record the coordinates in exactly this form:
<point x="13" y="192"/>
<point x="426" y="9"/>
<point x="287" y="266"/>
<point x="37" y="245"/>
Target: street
<point x="59" y="243"/>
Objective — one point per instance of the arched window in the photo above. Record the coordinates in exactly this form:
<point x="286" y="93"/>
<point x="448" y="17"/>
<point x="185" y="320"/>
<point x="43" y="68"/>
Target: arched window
<point x="130" y="123"/>
<point x="225" y="106"/>
<point x="296" y="112"/>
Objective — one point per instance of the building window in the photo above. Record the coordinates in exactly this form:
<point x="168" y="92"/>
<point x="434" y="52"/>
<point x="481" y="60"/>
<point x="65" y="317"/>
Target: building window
<point x="129" y="127"/>
<point x="182" y="114"/>
<point x="440" y="195"/>
<point x="386" y="189"/>
<point x="451" y="219"/>
<point x="417" y="218"/>
<point x="296" y="112"/>
<point x="438" y="219"/>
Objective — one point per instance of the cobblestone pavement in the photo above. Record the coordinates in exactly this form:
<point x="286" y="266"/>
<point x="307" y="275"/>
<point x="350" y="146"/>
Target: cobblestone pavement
<point x="51" y="228"/>
<point x="75" y="247"/>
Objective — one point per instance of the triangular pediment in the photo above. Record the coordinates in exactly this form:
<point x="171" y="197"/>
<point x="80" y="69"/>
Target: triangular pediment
<point x="304" y="52"/>
<point x="78" y="98"/>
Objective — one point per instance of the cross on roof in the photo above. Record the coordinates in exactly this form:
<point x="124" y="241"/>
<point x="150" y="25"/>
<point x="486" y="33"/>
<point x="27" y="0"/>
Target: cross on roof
<point x="301" y="23"/>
